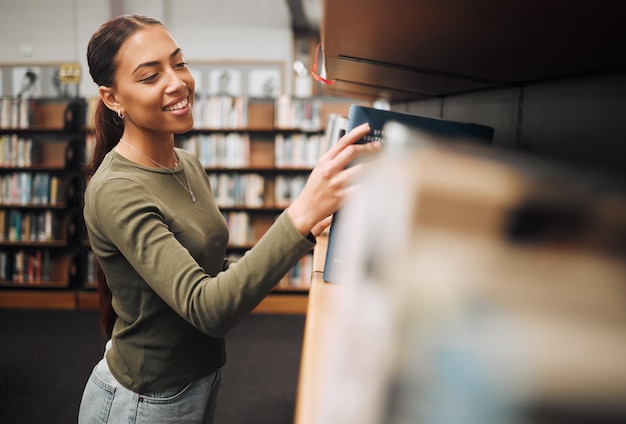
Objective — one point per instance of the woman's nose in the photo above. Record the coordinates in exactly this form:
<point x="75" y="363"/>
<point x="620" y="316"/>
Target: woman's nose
<point x="175" y="81"/>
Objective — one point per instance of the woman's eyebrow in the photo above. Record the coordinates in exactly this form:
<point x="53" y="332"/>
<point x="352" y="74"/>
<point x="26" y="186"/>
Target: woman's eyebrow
<point x="155" y="62"/>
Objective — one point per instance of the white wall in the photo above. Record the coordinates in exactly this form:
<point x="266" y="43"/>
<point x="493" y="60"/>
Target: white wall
<point x="44" y="31"/>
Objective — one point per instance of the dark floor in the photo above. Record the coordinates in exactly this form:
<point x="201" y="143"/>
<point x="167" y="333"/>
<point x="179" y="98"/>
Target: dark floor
<point x="46" y="357"/>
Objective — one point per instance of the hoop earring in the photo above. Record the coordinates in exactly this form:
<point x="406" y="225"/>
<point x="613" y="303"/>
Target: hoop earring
<point x="120" y="114"/>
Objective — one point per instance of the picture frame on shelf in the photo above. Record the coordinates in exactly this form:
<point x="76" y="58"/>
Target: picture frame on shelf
<point x="40" y="80"/>
<point x="26" y="81"/>
<point x="225" y="81"/>
<point x="265" y="83"/>
<point x="250" y="79"/>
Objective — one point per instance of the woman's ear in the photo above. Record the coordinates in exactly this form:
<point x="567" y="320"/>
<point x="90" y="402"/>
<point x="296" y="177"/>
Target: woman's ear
<point x="108" y="98"/>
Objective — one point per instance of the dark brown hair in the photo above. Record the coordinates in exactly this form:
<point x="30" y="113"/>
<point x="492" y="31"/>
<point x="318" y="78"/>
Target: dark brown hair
<point x="102" y="53"/>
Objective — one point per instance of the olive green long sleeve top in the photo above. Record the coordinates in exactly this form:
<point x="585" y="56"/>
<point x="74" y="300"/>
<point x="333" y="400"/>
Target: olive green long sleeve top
<point x="164" y="259"/>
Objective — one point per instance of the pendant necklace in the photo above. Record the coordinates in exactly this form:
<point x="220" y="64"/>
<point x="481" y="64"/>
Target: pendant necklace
<point x="187" y="189"/>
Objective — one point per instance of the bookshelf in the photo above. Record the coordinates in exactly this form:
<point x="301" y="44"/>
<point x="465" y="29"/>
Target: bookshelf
<point x="403" y="50"/>
<point x="59" y="149"/>
<point x="39" y="172"/>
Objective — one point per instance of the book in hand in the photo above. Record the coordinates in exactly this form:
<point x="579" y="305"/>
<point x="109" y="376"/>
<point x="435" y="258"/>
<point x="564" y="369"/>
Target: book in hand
<point x="337" y="259"/>
<point x="449" y="130"/>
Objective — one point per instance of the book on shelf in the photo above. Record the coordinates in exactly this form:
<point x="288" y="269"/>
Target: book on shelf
<point x="300" y="113"/>
<point x="298" y="150"/>
<point x="32" y="188"/>
<point x="16" y="151"/>
<point x="298" y="277"/>
<point x="221" y="111"/>
<point x="237" y="189"/>
<point x="28" y="226"/>
<point x="239" y="228"/>
<point x="16" y="112"/>
<point x="219" y="150"/>
<point x="287" y="188"/>
<point x="25" y="267"/>
<point x="378" y="119"/>
<point x="90" y="268"/>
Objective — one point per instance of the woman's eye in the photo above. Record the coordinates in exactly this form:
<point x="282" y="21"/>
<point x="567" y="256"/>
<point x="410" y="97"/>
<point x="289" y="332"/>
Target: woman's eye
<point x="150" y="78"/>
<point x="181" y="65"/>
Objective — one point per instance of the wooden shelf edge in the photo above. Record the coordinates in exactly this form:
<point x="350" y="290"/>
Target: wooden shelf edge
<point x="283" y="304"/>
<point x="87" y="300"/>
<point x="29" y="299"/>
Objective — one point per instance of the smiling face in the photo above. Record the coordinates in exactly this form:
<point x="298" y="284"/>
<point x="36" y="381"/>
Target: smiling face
<point x="153" y="85"/>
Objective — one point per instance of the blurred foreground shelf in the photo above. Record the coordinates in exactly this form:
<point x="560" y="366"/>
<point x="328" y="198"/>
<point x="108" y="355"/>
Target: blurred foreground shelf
<point x="478" y="281"/>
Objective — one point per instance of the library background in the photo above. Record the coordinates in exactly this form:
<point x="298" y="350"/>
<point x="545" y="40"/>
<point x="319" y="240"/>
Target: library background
<point x="496" y="273"/>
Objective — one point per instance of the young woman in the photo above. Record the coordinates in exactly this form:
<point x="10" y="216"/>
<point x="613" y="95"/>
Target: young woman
<point x="168" y="297"/>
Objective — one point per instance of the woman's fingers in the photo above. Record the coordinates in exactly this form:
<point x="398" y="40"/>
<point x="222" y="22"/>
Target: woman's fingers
<point x="321" y="226"/>
<point x="346" y="151"/>
<point x="355" y="151"/>
<point x="348" y="176"/>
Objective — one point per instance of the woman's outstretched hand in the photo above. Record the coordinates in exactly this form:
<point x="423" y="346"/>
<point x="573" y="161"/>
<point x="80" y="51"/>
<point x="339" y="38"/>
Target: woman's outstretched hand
<point x="330" y="182"/>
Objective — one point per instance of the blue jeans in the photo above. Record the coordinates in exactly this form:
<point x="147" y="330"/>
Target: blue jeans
<point x="105" y="400"/>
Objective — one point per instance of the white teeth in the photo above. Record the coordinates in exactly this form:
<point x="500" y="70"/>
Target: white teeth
<point x="177" y="106"/>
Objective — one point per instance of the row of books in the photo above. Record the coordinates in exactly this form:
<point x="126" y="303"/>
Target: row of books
<point x="25" y="267"/>
<point x="248" y="189"/>
<point x="299" y="277"/>
<point x="31" y="188"/>
<point x="220" y="112"/>
<point x="223" y="111"/>
<point x="232" y="150"/>
<point x="219" y="150"/>
<point x="15" y="151"/>
<point x="89" y="272"/>
<point x="15" y="112"/>
<point x="287" y="188"/>
<point x="299" y="150"/>
<point x="28" y="226"/>
<point x="292" y="112"/>
<point x="226" y="112"/>
<point x="240" y="229"/>
<point x="238" y="189"/>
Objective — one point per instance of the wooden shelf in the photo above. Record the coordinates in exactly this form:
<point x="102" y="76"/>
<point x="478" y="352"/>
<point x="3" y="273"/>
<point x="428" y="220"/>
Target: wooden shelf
<point x="33" y="206"/>
<point x="275" y="303"/>
<point x="31" y="299"/>
<point x="322" y="314"/>
<point x="409" y="50"/>
<point x="49" y="147"/>
<point x="43" y="130"/>
<point x="259" y="170"/>
<point x="257" y="130"/>
<point x="278" y="303"/>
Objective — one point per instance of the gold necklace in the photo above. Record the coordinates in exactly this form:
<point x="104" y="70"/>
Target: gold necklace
<point x="187" y="189"/>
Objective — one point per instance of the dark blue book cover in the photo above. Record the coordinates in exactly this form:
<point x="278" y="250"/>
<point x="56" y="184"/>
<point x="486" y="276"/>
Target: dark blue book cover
<point x="378" y="118"/>
<point x="452" y="130"/>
